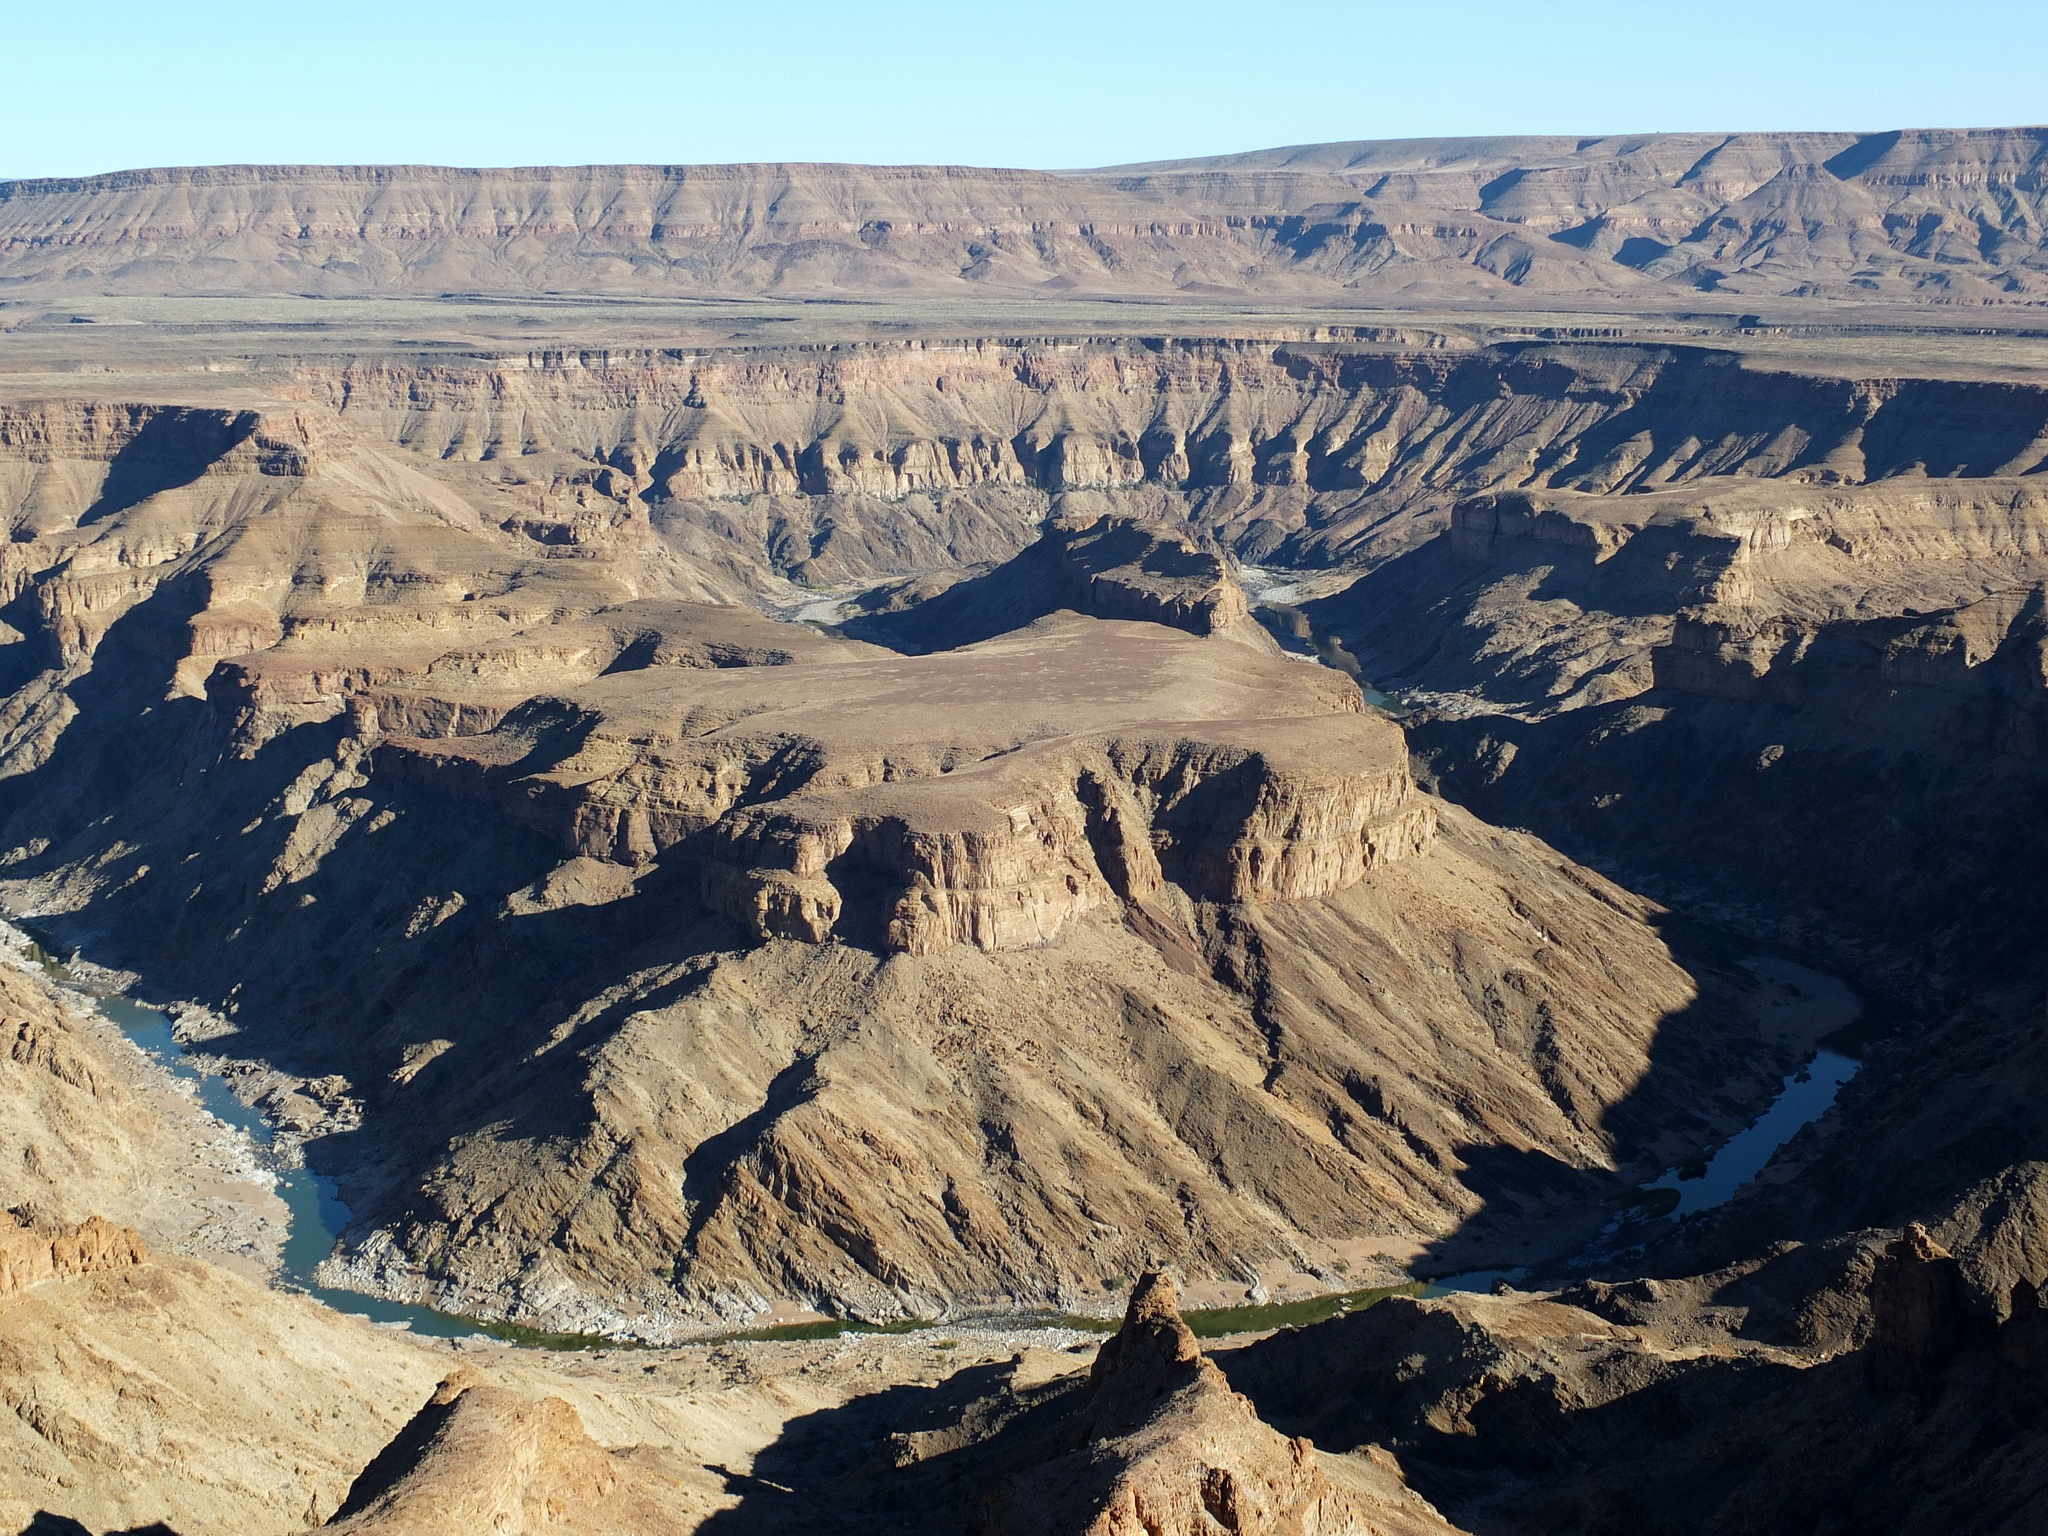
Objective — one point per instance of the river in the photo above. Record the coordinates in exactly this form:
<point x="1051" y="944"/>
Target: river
<point x="317" y="1215"/>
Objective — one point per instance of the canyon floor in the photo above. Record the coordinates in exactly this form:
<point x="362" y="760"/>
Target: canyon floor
<point x="1130" y="878"/>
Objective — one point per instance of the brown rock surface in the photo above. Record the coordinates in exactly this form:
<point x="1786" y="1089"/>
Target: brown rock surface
<point x="29" y="1257"/>
<point x="90" y="1129"/>
<point x="697" y="1116"/>
<point x="168" y="1390"/>
<point x="1932" y="214"/>
<point x="983" y="796"/>
<point x="1916" y="1311"/>
<point x="481" y="1457"/>
<point x="1107" y="567"/>
<point x="426" y="712"/>
<point x="907" y="1132"/>
<point x="1726" y="1401"/>
<point x="1168" y="1449"/>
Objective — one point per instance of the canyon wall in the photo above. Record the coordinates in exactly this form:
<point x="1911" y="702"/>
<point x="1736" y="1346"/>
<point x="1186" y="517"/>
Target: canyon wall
<point x="1942" y="216"/>
<point x="440" y="685"/>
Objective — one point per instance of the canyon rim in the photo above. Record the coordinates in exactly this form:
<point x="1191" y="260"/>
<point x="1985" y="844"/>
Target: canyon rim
<point x="804" y="847"/>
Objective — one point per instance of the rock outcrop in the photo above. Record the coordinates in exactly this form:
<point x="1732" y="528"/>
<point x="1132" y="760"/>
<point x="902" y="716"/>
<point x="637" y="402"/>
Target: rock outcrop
<point x="1850" y="1381"/>
<point x="1103" y="566"/>
<point x="1917" y="1314"/>
<point x="30" y="1257"/>
<point x="634" y="916"/>
<point x="1168" y="1449"/>
<point x="835" y="873"/>
<point x="482" y="1457"/>
<point x="97" y="1142"/>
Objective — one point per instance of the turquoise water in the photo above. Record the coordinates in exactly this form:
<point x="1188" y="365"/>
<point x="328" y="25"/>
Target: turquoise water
<point x="318" y="1215"/>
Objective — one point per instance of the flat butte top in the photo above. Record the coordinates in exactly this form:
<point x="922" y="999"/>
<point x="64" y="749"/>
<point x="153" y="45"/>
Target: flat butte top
<point x="1064" y="676"/>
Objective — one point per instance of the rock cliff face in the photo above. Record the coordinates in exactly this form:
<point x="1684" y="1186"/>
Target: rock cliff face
<point x="750" y="829"/>
<point x="1941" y="215"/>
<point x="401" y="507"/>
<point x="29" y="1257"/>
<point x="609" y="822"/>
<point x="984" y="796"/>
<point x="1802" y="654"/>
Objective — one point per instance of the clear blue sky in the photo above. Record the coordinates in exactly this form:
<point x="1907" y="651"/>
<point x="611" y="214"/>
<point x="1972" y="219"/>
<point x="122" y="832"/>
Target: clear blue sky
<point x="101" y="86"/>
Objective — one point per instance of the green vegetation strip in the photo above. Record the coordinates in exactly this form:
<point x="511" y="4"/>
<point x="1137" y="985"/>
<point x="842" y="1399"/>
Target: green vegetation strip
<point x="1220" y="1322"/>
<point x="1206" y="1323"/>
<point x="540" y="1338"/>
<point x="829" y="1328"/>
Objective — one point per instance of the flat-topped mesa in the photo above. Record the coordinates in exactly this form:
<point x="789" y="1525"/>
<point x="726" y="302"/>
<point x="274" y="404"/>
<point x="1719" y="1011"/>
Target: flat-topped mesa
<point x="420" y="685"/>
<point x="982" y="796"/>
<point x="1900" y="215"/>
<point x="1105" y="566"/>
<point x="1122" y="568"/>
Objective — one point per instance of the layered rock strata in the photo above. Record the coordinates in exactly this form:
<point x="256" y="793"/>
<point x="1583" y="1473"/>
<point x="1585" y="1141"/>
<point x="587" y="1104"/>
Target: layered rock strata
<point x="1932" y="214"/>
<point x="982" y="796"/>
<point x="632" y="917"/>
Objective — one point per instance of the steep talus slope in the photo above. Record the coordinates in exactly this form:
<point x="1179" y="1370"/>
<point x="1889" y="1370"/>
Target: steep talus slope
<point x="89" y="1131"/>
<point x="629" y="1114"/>
<point x="481" y="1456"/>
<point x="172" y="1391"/>
<point x="515" y="816"/>
<point x="1817" y="711"/>
<point x="598" y="892"/>
<point x="714" y="477"/>
<point x="1931" y="215"/>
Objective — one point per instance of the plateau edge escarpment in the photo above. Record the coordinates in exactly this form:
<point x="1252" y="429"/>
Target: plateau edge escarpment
<point x="702" y="811"/>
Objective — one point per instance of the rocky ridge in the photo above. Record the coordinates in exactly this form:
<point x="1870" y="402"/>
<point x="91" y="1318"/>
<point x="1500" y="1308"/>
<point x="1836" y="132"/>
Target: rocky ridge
<point x="682" y="781"/>
<point x="1168" y="1448"/>
<point x="1932" y="215"/>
